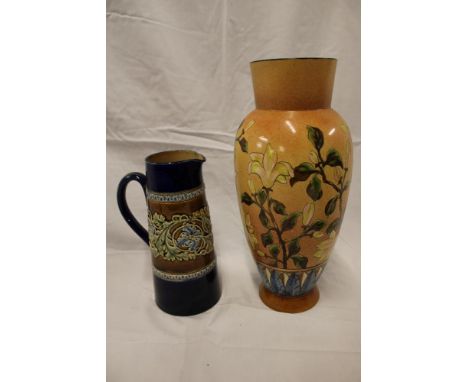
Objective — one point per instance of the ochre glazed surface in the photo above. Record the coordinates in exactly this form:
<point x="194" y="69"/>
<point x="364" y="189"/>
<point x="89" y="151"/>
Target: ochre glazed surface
<point x="293" y="170"/>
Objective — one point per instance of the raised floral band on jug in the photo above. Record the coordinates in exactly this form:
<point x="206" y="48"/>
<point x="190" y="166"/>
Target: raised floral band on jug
<point x="179" y="231"/>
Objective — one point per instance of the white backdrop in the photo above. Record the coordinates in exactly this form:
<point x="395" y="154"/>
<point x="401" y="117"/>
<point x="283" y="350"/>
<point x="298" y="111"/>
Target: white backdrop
<point x="178" y="77"/>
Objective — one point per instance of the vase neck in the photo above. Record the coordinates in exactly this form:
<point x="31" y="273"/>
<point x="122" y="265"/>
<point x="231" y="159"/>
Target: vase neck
<point x="293" y="84"/>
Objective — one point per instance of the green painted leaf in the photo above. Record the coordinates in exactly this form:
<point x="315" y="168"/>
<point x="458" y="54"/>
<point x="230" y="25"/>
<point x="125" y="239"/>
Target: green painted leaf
<point x="331" y="205"/>
<point x="346" y="186"/>
<point x="278" y="207"/>
<point x="302" y="172"/>
<point x="244" y="144"/>
<point x="314" y="189"/>
<point x="333" y="159"/>
<point x="273" y="249"/>
<point x="317" y="226"/>
<point x="294" y="247"/>
<point x="289" y="222"/>
<point x="305" y="168"/>
<point x="267" y="238"/>
<point x="300" y="261"/>
<point x="334" y="226"/>
<point x="262" y="196"/>
<point x="246" y="199"/>
<point x="263" y="218"/>
<point x="315" y="135"/>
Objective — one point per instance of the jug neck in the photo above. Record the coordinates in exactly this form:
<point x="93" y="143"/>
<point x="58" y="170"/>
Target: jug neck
<point x="293" y="83"/>
<point x="174" y="171"/>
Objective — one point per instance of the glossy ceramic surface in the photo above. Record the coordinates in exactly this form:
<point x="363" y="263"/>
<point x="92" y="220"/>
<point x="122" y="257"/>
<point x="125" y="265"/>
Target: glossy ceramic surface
<point x="179" y="231"/>
<point x="293" y="171"/>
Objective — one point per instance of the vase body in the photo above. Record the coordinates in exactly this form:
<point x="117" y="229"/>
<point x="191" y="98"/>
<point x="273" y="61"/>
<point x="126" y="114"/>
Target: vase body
<point x="293" y="162"/>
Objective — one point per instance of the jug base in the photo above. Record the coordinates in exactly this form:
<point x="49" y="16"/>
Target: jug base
<point x="286" y="304"/>
<point x="188" y="298"/>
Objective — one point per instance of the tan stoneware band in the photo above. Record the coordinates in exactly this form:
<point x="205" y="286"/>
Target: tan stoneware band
<point x="168" y="197"/>
<point x="181" y="277"/>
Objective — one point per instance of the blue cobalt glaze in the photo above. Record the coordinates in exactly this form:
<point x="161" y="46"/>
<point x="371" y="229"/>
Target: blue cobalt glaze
<point x="173" y="176"/>
<point x="264" y="278"/>
<point x="310" y="281"/>
<point x="277" y="282"/>
<point x="293" y="286"/>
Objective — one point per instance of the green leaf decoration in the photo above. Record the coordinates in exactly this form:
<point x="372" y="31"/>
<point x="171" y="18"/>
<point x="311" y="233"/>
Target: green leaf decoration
<point x="262" y="196"/>
<point x="278" y="207"/>
<point x="315" y="135"/>
<point x="317" y="226"/>
<point x="289" y="222"/>
<point x="263" y="218"/>
<point x="305" y="168"/>
<point x="246" y="199"/>
<point x="302" y="172"/>
<point x="300" y="261"/>
<point x="267" y="238"/>
<point x="273" y="249"/>
<point x="331" y="205"/>
<point x="294" y="247"/>
<point x="244" y="145"/>
<point x="334" y="226"/>
<point x="333" y="159"/>
<point x="346" y="186"/>
<point x="260" y="253"/>
<point x="314" y="189"/>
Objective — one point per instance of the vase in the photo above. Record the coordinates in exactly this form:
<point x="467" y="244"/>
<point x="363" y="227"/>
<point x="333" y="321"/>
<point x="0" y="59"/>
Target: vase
<point x="179" y="233"/>
<point x="293" y="162"/>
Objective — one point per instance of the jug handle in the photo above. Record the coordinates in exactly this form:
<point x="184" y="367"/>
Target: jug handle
<point x="123" y="206"/>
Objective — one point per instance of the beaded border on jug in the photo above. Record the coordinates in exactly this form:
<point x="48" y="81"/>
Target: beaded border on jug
<point x="165" y="197"/>
<point x="180" y="277"/>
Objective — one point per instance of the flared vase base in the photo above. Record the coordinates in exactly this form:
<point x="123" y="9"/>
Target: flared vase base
<point x="288" y="304"/>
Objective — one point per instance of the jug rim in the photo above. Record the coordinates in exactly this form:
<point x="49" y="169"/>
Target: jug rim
<point x="164" y="158"/>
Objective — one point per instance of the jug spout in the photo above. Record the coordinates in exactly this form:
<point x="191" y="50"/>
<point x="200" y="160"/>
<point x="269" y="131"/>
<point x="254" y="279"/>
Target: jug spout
<point x="173" y="171"/>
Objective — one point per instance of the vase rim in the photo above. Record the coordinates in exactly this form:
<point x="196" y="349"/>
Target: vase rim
<point x="294" y="58"/>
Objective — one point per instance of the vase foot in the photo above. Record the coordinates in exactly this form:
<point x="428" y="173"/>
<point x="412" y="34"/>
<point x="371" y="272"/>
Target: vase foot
<point x="289" y="304"/>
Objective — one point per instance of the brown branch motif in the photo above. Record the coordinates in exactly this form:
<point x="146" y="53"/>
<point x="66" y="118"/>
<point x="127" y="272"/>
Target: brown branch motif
<point x="273" y="216"/>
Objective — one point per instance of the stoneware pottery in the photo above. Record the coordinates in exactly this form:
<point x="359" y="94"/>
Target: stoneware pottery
<point x="179" y="235"/>
<point x="293" y="161"/>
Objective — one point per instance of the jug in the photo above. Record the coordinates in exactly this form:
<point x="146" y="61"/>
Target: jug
<point x="179" y="232"/>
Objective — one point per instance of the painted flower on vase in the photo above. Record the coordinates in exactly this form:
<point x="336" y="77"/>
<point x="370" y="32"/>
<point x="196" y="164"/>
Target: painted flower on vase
<point x="268" y="169"/>
<point x="280" y="244"/>
<point x="324" y="247"/>
<point x="251" y="232"/>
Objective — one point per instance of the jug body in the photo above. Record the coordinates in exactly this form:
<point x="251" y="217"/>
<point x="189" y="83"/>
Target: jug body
<point x="179" y="233"/>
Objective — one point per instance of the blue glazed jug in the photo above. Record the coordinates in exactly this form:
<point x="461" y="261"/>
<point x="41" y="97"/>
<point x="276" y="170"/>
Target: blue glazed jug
<point x="179" y="231"/>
